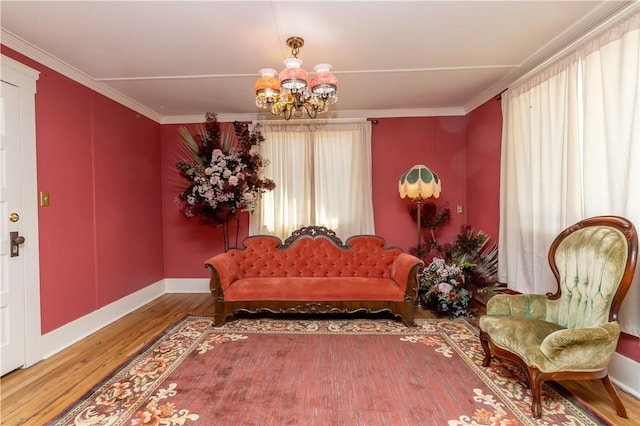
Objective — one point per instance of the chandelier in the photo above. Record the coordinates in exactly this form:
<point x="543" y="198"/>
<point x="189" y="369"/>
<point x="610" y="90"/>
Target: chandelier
<point x="291" y="94"/>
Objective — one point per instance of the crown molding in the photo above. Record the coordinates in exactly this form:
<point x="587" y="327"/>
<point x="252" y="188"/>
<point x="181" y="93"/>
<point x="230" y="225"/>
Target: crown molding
<point x="350" y="114"/>
<point x="33" y="52"/>
<point x="589" y="25"/>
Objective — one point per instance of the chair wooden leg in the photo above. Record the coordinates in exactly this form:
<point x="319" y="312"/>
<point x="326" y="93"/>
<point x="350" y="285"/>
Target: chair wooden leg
<point x="535" y="383"/>
<point x="484" y="341"/>
<point x="622" y="412"/>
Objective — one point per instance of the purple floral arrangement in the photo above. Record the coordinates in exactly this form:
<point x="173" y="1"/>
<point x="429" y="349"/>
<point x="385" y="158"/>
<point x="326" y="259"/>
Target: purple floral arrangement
<point x="223" y="171"/>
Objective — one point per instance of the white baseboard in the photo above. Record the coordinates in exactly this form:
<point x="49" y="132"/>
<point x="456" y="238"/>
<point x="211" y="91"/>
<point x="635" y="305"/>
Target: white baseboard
<point x="63" y="337"/>
<point x="186" y="285"/>
<point x="625" y="373"/>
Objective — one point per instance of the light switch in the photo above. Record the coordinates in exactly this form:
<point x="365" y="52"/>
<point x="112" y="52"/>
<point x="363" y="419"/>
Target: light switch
<point x="44" y="199"/>
<point x="459" y="209"/>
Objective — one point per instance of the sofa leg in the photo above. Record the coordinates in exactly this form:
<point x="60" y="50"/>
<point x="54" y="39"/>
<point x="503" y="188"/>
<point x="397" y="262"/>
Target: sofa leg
<point x="408" y="321"/>
<point x="219" y="320"/>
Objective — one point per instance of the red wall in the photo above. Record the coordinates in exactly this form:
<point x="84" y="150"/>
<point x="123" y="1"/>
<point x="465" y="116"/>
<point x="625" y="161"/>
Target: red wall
<point x="397" y="145"/>
<point x="484" y="139"/>
<point x="101" y="237"/>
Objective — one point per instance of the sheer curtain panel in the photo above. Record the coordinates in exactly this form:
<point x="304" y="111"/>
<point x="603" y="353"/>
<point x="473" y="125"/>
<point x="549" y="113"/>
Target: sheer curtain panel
<point x="571" y="150"/>
<point x="322" y="173"/>
<point x="611" y="81"/>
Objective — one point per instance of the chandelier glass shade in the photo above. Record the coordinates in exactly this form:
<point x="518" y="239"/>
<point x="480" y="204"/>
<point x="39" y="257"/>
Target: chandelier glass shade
<point x="291" y="93"/>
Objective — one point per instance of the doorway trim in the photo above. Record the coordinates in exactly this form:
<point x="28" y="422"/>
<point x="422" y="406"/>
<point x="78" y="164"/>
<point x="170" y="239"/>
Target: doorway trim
<point x="24" y="77"/>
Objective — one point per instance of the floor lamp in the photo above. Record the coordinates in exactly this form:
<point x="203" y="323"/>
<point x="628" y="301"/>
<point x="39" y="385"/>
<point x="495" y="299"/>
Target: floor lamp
<point x="419" y="183"/>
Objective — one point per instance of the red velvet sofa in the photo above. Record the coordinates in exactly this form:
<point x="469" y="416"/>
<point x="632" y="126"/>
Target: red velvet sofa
<point x="314" y="272"/>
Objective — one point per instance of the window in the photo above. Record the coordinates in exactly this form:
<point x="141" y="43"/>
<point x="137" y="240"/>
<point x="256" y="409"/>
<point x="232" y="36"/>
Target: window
<point x="571" y="150"/>
<point x="322" y="173"/>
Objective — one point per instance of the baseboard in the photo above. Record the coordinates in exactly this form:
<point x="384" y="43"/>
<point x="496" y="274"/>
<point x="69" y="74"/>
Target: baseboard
<point x="186" y="285"/>
<point x="65" y="336"/>
<point x="625" y="373"/>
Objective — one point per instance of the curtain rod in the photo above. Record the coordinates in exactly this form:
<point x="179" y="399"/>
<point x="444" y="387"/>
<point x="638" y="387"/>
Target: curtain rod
<point x="312" y="121"/>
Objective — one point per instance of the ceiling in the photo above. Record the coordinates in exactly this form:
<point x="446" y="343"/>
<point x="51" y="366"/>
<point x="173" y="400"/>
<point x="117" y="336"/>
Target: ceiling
<point x="175" y="60"/>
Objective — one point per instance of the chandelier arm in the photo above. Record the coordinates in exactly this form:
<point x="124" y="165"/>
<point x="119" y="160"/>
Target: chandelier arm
<point x="287" y="113"/>
<point x="311" y="110"/>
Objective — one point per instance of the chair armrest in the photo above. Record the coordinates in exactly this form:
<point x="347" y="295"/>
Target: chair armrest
<point x="404" y="271"/>
<point x="522" y="305"/>
<point x="586" y="348"/>
<point x="224" y="271"/>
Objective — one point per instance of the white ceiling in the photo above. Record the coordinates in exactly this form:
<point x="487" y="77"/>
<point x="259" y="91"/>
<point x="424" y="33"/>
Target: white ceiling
<point x="175" y="60"/>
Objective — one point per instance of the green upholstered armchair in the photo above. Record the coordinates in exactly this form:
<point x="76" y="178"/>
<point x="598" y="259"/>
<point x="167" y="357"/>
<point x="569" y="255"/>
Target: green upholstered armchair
<point x="572" y="334"/>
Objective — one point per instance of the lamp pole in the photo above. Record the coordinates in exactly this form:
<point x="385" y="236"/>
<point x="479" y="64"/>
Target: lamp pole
<point x="418" y="213"/>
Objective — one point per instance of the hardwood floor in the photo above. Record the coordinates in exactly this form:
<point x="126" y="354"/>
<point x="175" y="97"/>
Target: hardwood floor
<point x="38" y="394"/>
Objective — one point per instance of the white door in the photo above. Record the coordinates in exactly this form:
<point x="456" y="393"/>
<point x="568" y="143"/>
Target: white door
<point x="12" y="290"/>
<point x="20" y="331"/>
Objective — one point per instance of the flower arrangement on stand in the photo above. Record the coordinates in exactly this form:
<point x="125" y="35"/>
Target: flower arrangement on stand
<point x="432" y="218"/>
<point x="442" y="286"/>
<point x="223" y="171"/>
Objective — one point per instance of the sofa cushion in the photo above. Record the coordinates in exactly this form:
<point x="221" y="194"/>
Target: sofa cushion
<point x="314" y="289"/>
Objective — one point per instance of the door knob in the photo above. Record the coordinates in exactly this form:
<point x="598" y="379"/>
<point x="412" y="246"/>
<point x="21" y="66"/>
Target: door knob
<point x="14" y="243"/>
<point x="13" y="217"/>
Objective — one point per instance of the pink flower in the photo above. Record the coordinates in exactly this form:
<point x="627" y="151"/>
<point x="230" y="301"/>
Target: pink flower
<point x="445" y="287"/>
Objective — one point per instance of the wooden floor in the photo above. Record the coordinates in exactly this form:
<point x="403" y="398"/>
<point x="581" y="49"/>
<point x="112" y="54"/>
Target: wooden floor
<point x="38" y="394"/>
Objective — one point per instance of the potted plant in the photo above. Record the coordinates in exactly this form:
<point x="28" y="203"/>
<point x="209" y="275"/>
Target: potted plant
<point x="477" y="255"/>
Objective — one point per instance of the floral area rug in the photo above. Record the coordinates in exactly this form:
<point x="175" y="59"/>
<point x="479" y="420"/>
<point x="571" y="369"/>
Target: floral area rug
<point x="318" y="372"/>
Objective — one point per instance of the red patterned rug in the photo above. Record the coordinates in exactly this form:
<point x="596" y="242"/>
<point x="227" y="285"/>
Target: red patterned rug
<point x="318" y="372"/>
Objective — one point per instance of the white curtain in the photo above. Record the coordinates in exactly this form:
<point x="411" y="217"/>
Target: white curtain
<point x="571" y="150"/>
<point x="322" y="172"/>
<point x="540" y="165"/>
<point x="611" y="80"/>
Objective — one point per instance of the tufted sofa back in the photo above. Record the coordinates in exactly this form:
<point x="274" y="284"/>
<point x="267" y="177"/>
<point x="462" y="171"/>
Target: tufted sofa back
<point x="363" y="256"/>
<point x="590" y="263"/>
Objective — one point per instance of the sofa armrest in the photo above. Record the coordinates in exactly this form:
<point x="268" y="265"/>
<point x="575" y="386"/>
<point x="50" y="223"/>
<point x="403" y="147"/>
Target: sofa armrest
<point x="224" y="271"/>
<point x="404" y="271"/>
<point x="522" y="305"/>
